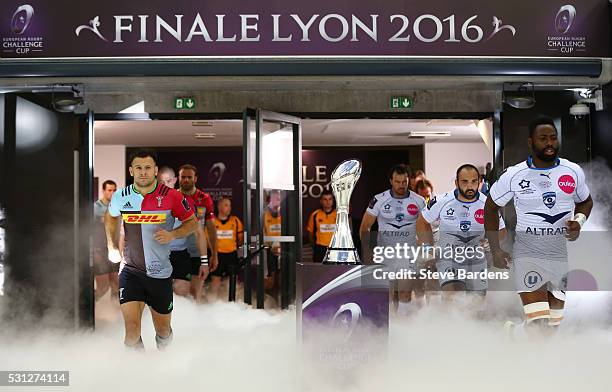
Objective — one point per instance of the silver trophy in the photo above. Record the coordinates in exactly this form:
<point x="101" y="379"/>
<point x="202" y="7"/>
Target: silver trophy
<point x="341" y="249"/>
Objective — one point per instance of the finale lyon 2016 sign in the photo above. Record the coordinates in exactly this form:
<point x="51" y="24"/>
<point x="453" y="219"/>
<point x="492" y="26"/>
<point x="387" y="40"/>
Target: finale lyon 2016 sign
<point x="218" y="28"/>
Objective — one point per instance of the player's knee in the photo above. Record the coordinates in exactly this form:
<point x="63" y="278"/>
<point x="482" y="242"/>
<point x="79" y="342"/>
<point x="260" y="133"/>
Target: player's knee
<point x="537" y="313"/>
<point x="181" y="289"/>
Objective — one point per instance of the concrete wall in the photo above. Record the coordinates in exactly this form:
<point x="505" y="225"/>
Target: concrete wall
<point x="109" y="164"/>
<point x="443" y="159"/>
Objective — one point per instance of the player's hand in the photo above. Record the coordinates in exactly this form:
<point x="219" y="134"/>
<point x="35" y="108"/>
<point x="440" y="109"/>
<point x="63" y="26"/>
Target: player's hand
<point x="501" y="259"/>
<point x="485" y="245"/>
<point x="163" y="236"/>
<point x="114" y="256"/>
<point x="204" y="271"/>
<point x="573" y="230"/>
<point x="213" y="262"/>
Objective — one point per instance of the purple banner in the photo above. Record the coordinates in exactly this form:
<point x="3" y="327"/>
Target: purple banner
<point x="219" y="171"/>
<point x="318" y="165"/>
<point x="68" y="29"/>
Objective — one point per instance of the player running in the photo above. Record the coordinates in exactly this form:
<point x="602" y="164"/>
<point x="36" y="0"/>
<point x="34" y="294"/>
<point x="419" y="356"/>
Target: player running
<point x="461" y="217"/>
<point x="552" y="203"/>
<point x="189" y="257"/>
<point x="396" y="211"/>
<point x="149" y="210"/>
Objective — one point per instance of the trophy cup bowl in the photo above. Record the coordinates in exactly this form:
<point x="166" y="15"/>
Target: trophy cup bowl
<point x="341" y="249"/>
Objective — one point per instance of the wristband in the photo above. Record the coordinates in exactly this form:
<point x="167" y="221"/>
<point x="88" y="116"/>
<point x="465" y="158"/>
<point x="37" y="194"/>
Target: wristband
<point x="203" y="260"/>
<point x="580" y="218"/>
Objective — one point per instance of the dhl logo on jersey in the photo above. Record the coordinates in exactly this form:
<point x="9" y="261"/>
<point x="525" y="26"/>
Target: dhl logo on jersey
<point x="145" y="219"/>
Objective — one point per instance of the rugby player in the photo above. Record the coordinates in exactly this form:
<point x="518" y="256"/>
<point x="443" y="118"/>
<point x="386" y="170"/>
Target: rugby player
<point x="190" y="265"/>
<point x="148" y="209"/>
<point x="396" y="210"/>
<point x="461" y="217"/>
<point x="167" y="176"/>
<point x="552" y="203"/>
<point x="106" y="273"/>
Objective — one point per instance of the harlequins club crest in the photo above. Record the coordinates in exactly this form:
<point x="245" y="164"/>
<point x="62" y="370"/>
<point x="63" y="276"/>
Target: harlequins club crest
<point x="159" y="201"/>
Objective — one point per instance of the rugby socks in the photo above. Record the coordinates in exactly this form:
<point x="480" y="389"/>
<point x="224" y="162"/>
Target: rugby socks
<point x="138" y="346"/>
<point x="163" y="343"/>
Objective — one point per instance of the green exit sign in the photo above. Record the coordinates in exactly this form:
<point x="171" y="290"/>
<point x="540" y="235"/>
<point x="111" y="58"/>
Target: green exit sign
<point x="401" y="102"/>
<point x="184" y="103"/>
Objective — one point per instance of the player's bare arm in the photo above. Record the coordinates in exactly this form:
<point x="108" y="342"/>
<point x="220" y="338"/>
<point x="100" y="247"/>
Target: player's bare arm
<point x="581" y="214"/>
<point x="211" y="230"/>
<point x="111" y="226"/>
<point x="187" y="227"/>
<point x="366" y="224"/>
<point x="491" y="216"/>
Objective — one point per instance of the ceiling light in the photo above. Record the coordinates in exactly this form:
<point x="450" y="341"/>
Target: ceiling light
<point x="201" y="123"/>
<point x="429" y="134"/>
<point x="204" y="135"/>
<point x="519" y="95"/>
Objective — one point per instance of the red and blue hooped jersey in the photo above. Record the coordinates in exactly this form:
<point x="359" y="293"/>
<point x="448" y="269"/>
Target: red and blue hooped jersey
<point x="143" y="215"/>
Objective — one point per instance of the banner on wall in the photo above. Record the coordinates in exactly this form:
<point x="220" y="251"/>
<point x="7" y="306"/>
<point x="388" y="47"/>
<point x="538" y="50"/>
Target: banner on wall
<point x="220" y="28"/>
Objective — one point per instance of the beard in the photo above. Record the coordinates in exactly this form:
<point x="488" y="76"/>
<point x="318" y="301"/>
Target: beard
<point x="544" y="157"/>
<point x="468" y="193"/>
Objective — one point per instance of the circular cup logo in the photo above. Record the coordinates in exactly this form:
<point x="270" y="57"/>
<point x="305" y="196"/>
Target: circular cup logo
<point x="565" y="18"/>
<point x="413" y="209"/>
<point x="479" y="216"/>
<point x="22" y="18"/>
<point x="567" y="184"/>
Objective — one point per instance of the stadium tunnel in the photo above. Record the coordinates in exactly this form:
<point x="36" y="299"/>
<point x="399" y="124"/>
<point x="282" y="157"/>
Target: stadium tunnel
<point x="67" y="123"/>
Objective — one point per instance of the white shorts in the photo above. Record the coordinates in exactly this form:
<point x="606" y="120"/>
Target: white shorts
<point x="530" y="274"/>
<point x="475" y="284"/>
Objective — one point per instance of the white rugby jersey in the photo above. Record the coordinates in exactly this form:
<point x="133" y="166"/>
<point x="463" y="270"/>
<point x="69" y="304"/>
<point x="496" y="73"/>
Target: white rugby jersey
<point x="544" y="200"/>
<point x="396" y="217"/>
<point x="461" y="223"/>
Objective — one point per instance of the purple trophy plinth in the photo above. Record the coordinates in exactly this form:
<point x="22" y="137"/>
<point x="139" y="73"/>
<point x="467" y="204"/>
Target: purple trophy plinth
<point x="342" y="314"/>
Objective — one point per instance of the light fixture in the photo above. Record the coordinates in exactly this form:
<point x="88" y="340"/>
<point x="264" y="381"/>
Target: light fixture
<point x="579" y="110"/>
<point x="519" y="95"/>
<point x="201" y="123"/>
<point x="429" y="134"/>
<point x="205" y="135"/>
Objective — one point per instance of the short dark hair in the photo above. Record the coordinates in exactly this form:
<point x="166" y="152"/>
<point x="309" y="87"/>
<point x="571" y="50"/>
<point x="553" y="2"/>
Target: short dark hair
<point x="143" y="153"/>
<point x="542" y="120"/>
<point x="417" y="173"/>
<point x="326" y="192"/>
<point x="399" y="169"/>
<point x="108" y="182"/>
<point x="188" y="166"/>
<point x="424" y="183"/>
<point x="467" y="166"/>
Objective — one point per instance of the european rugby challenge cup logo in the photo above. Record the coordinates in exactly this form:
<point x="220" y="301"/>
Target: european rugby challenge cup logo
<point x="21" y="19"/>
<point x="565" y="18"/>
